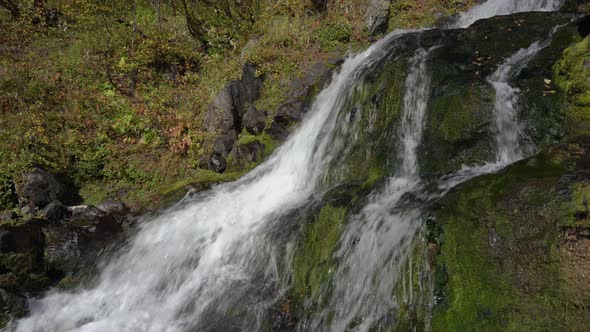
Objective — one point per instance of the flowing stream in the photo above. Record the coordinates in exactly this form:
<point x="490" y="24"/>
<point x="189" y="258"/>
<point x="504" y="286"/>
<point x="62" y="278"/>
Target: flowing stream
<point x="197" y="260"/>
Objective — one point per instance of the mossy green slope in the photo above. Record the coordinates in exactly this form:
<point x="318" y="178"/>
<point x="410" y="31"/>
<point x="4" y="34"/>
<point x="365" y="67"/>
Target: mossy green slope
<point x="514" y="249"/>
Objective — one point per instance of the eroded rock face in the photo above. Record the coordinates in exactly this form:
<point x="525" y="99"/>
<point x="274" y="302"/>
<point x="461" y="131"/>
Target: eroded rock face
<point x="225" y="113"/>
<point x="38" y="188"/>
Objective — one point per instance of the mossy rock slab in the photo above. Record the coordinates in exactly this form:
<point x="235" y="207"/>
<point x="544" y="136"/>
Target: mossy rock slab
<point x="514" y="248"/>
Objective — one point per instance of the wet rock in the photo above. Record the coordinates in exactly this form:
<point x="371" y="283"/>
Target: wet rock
<point x="38" y="188"/>
<point x="321" y="72"/>
<point x="300" y="97"/>
<point x="244" y="154"/>
<point x="377" y="16"/>
<point x="74" y="244"/>
<point x="115" y="208"/>
<point x="22" y="266"/>
<point x="22" y="238"/>
<point x="254" y="120"/>
<point x="55" y="211"/>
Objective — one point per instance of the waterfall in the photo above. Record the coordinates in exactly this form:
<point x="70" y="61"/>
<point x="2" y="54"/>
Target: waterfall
<point x="507" y="125"/>
<point x="211" y="254"/>
<point x="504" y="7"/>
<point x="189" y="260"/>
<point x="378" y="238"/>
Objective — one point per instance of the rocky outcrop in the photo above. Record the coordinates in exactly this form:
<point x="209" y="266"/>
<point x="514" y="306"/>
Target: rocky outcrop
<point x="52" y="242"/>
<point x="55" y="211"/>
<point x="377" y="16"/>
<point x="37" y="188"/>
<point x="225" y="113"/>
<point x="233" y="110"/>
<point x="254" y="120"/>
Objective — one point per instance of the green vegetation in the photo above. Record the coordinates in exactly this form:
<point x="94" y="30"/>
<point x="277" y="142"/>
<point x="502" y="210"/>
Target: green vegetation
<point x="572" y="76"/>
<point x="313" y="262"/>
<point x="113" y="95"/>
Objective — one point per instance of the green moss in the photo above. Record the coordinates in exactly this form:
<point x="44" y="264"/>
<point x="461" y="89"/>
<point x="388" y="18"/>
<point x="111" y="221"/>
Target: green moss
<point x="501" y="251"/>
<point x="459" y="117"/>
<point x="572" y="75"/>
<point x="313" y="262"/>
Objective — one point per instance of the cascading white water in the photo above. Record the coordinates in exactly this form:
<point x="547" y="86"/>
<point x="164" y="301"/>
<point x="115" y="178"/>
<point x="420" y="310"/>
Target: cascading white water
<point x="190" y="258"/>
<point x="366" y="274"/>
<point x="183" y="263"/>
<point x="504" y="7"/>
<point x="507" y="125"/>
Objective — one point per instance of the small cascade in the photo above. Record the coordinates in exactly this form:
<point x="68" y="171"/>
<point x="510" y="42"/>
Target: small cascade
<point x="377" y="240"/>
<point x="504" y="7"/>
<point x="508" y="129"/>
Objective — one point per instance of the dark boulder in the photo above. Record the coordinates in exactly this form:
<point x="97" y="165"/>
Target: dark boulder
<point x="21" y="238"/>
<point x="254" y="120"/>
<point x="55" y="211"/>
<point x="74" y="244"/>
<point x="38" y="188"/>
<point x="320" y="73"/>
<point x="300" y="97"/>
<point x="22" y="267"/>
<point x="246" y="90"/>
<point x="221" y="115"/>
<point x="289" y="112"/>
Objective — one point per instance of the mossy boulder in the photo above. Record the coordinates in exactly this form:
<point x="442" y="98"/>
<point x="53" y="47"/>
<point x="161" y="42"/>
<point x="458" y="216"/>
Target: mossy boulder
<point x="514" y="247"/>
